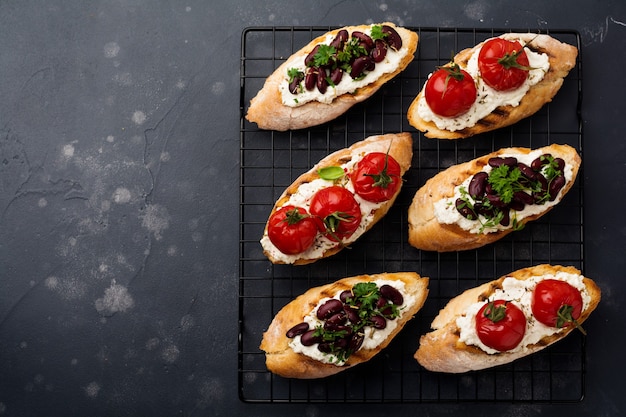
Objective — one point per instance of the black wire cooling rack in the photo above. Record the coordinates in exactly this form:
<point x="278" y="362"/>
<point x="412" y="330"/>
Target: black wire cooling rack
<point x="271" y="160"/>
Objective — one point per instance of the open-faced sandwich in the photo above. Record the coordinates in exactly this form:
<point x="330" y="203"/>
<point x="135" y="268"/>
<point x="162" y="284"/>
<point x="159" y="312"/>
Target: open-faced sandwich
<point x="494" y="84"/>
<point x="330" y="74"/>
<point x="334" y="327"/>
<point x="475" y="203"/>
<point x="507" y="319"/>
<point x="336" y="201"/>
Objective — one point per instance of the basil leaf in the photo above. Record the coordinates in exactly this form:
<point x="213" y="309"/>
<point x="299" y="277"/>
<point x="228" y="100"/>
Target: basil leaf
<point x="331" y="173"/>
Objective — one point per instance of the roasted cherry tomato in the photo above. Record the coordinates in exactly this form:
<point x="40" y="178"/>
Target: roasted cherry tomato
<point x="503" y="64"/>
<point x="500" y="325"/>
<point x="556" y="303"/>
<point x="376" y="177"/>
<point x="339" y="211"/>
<point x="292" y="230"/>
<point x="450" y="91"/>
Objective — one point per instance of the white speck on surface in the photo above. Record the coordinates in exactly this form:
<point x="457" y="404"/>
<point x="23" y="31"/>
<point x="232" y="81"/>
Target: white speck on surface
<point x="3" y="408"/>
<point x="172" y="250"/>
<point x="110" y="139"/>
<point x="124" y="78"/>
<point x="170" y="354"/>
<point x="383" y="7"/>
<point x="121" y="195"/>
<point x="42" y="202"/>
<point x="111" y="49"/>
<point x="74" y="362"/>
<point x="152" y="343"/>
<point x="156" y="219"/>
<point x="68" y="150"/>
<point x="210" y="391"/>
<point x="476" y="10"/>
<point x="92" y="389"/>
<point x="116" y="299"/>
<point x="52" y="283"/>
<point x="188" y="9"/>
<point x="69" y="288"/>
<point x="165" y="156"/>
<point x="139" y="117"/>
<point x="218" y="88"/>
<point x="187" y="322"/>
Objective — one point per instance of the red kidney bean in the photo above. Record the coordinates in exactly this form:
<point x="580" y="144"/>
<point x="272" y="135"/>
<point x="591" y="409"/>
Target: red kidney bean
<point x="294" y="85"/>
<point x="496" y="161"/>
<point x="336" y="75"/>
<point x="356" y="341"/>
<point x="495" y="200"/>
<point x="516" y="205"/>
<point x="297" y="329"/>
<point x="308" y="338"/>
<point x="523" y="197"/>
<point x="555" y="186"/>
<point x="310" y="79"/>
<point x="477" y="185"/>
<point x="378" y="322"/>
<point x="352" y="314"/>
<point x="560" y="164"/>
<point x="325" y="347"/>
<point x="361" y="64"/>
<point x="393" y="38"/>
<point x="322" y="82"/>
<point x="379" y="52"/>
<point x="539" y="162"/>
<point x="340" y="40"/>
<point x="506" y="218"/>
<point x="329" y="308"/>
<point x="464" y="209"/>
<point x="337" y="319"/>
<point x="526" y="171"/>
<point x="345" y="295"/>
<point x="310" y="58"/>
<point x="392" y="294"/>
<point x="366" y="41"/>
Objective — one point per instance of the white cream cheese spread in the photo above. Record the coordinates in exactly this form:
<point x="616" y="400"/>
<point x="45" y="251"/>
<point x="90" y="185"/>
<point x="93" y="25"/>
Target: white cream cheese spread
<point x="373" y="337"/>
<point x="347" y="84"/>
<point x="446" y="212"/>
<point x="487" y="99"/>
<point x="520" y="293"/>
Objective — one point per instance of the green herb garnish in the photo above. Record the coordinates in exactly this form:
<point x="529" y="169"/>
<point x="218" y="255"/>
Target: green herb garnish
<point x="324" y="56"/>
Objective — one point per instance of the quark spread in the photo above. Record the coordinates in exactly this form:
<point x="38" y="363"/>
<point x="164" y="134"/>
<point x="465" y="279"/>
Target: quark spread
<point x="488" y="99"/>
<point x="373" y="337"/>
<point x="347" y="84"/>
<point x="446" y="212"/>
<point x="520" y="293"/>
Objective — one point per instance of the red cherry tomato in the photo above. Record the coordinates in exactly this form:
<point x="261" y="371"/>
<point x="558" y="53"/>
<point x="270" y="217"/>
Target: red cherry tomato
<point x="339" y="211"/>
<point x="503" y="64"/>
<point x="292" y="230"/>
<point x="556" y="303"/>
<point x="500" y="325"/>
<point x="376" y="177"/>
<point x="450" y="91"/>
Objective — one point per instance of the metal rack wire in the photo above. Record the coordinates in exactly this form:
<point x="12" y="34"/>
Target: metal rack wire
<point x="271" y="160"/>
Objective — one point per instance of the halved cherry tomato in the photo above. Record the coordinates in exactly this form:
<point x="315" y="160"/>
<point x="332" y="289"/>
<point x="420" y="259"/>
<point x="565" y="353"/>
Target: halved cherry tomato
<point x="503" y="64"/>
<point x="556" y="303"/>
<point x="292" y="230"/>
<point x="450" y="91"/>
<point x="339" y="211"/>
<point x="376" y="177"/>
<point x="500" y="325"/>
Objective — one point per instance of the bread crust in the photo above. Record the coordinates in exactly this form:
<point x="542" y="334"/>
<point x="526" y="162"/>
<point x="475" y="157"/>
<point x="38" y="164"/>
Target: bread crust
<point x="562" y="58"/>
<point x="426" y="233"/>
<point x="282" y="360"/>
<point x="400" y="147"/>
<point x="268" y="112"/>
<point x="441" y="350"/>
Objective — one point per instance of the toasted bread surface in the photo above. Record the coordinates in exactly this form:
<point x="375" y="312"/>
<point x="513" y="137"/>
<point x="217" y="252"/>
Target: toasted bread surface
<point x="267" y="110"/>
<point x="562" y="58"/>
<point x="281" y="359"/>
<point x="425" y="231"/>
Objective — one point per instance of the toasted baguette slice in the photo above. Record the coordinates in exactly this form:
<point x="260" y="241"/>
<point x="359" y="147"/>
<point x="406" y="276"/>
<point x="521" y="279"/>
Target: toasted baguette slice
<point x="281" y="359"/>
<point x="562" y="58"/>
<point x="442" y="351"/>
<point x="427" y="233"/>
<point x="399" y="146"/>
<point x="268" y="111"/>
